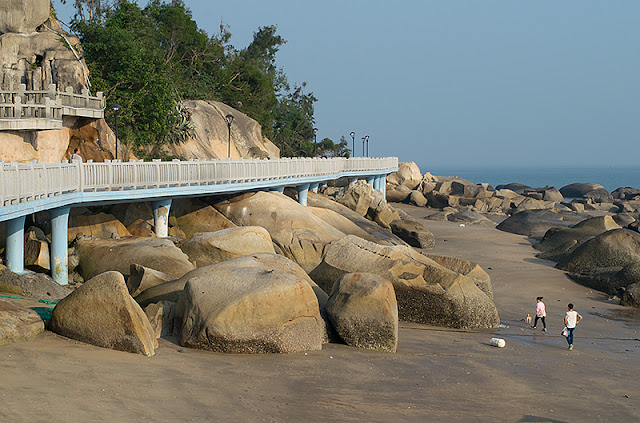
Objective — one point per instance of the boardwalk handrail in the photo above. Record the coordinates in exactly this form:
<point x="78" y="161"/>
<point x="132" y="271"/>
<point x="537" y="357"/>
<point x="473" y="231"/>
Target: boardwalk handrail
<point x="24" y="182"/>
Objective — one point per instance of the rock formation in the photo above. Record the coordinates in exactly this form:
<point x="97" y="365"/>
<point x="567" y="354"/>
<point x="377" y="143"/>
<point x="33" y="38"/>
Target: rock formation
<point x="18" y="324"/>
<point x="101" y="312"/>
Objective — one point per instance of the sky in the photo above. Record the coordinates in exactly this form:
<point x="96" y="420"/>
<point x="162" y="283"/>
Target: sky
<point x="461" y="83"/>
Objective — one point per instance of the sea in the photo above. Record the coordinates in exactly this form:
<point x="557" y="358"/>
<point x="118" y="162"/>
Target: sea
<point x="609" y="177"/>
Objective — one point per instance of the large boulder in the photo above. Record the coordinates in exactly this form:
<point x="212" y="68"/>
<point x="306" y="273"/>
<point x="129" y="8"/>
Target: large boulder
<point x="535" y="223"/>
<point x="467" y="268"/>
<point x="100" y="225"/>
<point x="208" y="248"/>
<point x="193" y="216"/>
<point x="408" y="174"/>
<point x="364" y="311"/>
<point x="413" y="233"/>
<point x="532" y="204"/>
<point x="98" y="256"/>
<point x="374" y="232"/>
<point x="469" y="218"/>
<point x="101" y="312"/>
<point x="297" y="233"/>
<point x="23" y="16"/>
<point x="340" y="222"/>
<point x="36" y="250"/>
<point x="32" y="285"/>
<point x="426" y="291"/>
<point x="17" y="323"/>
<point x="578" y="189"/>
<point x="558" y="242"/>
<point x="209" y="138"/>
<point x="366" y="201"/>
<point x="161" y="316"/>
<point x="249" y="305"/>
<point x="617" y="247"/>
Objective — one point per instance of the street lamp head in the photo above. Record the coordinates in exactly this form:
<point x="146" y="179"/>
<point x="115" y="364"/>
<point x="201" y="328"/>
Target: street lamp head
<point x="315" y="130"/>
<point x="229" y="119"/>
<point x="353" y="134"/>
<point x="366" y="137"/>
<point x="116" y="107"/>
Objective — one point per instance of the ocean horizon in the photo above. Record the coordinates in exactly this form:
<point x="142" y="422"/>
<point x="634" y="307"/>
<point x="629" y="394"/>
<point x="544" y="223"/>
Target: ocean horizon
<point x="609" y="177"/>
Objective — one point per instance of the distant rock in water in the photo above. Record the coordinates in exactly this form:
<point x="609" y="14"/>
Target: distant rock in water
<point x="514" y="186"/>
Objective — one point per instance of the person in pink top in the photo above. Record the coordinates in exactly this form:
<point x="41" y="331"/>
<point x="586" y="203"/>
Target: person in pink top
<point x="541" y="313"/>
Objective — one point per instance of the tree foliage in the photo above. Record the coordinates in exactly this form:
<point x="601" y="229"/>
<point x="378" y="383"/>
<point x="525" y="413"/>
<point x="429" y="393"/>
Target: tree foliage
<point x="149" y="59"/>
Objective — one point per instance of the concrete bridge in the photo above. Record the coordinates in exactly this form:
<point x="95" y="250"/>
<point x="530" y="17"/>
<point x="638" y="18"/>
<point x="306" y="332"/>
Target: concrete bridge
<point x="27" y="188"/>
<point x="23" y="110"/>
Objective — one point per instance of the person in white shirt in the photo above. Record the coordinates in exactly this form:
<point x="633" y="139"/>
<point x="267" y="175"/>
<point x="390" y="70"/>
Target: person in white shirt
<point x="571" y="319"/>
<point x="75" y="157"/>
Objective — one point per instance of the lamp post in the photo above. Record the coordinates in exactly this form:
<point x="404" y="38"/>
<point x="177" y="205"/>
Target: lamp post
<point x="363" y="138"/>
<point x="366" y="138"/>
<point x="282" y="149"/>
<point x="315" y="142"/>
<point x="116" y="108"/>
<point x="229" y="119"/>
<point x="353" y="143"/>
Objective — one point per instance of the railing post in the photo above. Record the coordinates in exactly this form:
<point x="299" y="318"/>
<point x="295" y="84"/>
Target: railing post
<point x="59" y="244"/>
<point x="52" y="92"/>
<point x="15" y="244"/>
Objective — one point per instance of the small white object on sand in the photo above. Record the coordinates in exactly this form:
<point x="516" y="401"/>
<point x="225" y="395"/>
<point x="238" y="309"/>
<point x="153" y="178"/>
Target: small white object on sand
<point x="498" y="342"/>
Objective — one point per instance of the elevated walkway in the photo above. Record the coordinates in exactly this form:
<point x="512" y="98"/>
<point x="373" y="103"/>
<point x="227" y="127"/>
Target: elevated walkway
<point x="27" y="188"/>
<point x="23" y="110"/>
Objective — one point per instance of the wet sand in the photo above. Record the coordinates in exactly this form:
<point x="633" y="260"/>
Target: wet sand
<point x="436" y="375"/>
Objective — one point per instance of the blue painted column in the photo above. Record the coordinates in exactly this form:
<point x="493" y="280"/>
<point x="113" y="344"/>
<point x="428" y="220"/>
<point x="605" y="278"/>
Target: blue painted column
<point x="352" y="180"/>
<point x="383" y="186"/>
<point x="376" y="182"/>
<point x="370" y="179"/>
<point x="15" y="244"/>
<point x="314" y="187"/>
<point x="161" y="217"/>
<point x="302" y="193"/>
<point x="59" y="244"/>
<point x="279" y="189"/>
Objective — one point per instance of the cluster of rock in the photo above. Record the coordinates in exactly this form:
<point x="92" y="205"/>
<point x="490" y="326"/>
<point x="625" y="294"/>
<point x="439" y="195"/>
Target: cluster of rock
<point x="258" y="272"/>
<point x="598" y="253"/>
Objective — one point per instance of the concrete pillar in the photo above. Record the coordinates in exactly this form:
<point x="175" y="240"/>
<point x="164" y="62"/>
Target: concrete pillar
<point x="376" y="182"/>
<point x="161" y="217"/>
<point x="370" y="180"/>
<point x="383" y="186"/>
<point x="59" y="244"/>
<point x="302" y="193"/>
<point x="15" y="244"/>
<point x="352" y="180"/>
<point x="279" y="189"/>
<point x="314" y="187"/>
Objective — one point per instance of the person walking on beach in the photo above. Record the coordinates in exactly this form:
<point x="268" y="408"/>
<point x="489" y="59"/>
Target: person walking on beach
<point x="571" y="319"/>
<point x="75" y="157"/>
<point x="541" y="313"/>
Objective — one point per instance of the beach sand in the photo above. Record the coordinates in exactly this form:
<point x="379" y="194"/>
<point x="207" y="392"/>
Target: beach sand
<point x="436" y="375"/>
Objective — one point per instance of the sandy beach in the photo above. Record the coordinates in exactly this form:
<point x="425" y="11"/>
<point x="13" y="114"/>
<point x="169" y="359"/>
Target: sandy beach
<point x="436" y="375"/>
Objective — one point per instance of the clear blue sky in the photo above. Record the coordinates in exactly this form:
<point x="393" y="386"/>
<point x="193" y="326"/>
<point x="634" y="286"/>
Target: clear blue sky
<point x="460" y="83"/>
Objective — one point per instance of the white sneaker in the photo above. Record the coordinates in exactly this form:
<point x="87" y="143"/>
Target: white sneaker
<point x="570" y="347"/>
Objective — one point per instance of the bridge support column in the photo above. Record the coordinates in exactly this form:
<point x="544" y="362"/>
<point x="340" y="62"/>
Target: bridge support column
<point x="353" y="180"/>
<point x="314" y="187"/>
<point x="302" y="193"/>
<point x="370" y="179"/>
<point x="383" y="185"/>
<point x="15" y="244"/>
<point x="379" y="182"/>
<point x="59" y="244"/>
<point x="279" y="189"/>
<point x="161" y="217"/>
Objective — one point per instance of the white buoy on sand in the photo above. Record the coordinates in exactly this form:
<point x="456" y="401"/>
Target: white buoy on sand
<point x="497" y="342"/>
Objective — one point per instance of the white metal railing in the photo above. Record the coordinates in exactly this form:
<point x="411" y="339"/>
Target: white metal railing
<point x="23" y="182"/>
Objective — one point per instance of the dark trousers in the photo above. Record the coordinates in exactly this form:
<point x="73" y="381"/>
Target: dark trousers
<point x="570" y="337"/>
<point x="535" y="322"/>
